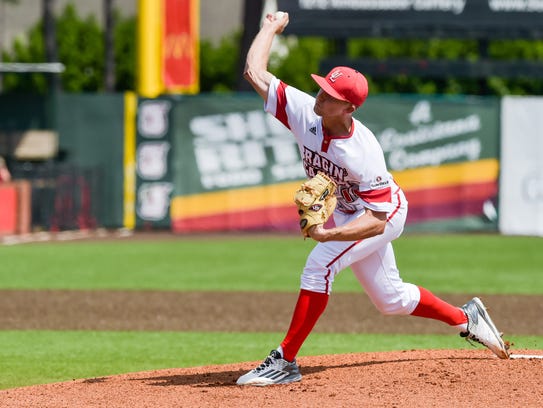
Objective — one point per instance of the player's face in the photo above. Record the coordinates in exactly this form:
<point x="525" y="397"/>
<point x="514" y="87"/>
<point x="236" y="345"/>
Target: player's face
<point x="327" y="105"/>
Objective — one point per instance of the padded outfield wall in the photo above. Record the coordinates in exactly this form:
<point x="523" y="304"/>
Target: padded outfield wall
<point x="222" y="163"/>
<point x="218" y="162"/>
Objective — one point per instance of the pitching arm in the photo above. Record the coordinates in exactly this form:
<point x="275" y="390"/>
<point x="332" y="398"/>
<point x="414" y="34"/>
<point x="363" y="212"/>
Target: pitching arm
<point x="256" y="64"/>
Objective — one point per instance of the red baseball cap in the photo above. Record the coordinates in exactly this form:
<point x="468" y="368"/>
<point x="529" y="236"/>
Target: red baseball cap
<point x="345" y="84"/>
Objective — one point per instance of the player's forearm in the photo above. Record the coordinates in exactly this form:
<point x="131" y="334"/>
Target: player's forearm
<point x="356" y="231"/>
<point x="259" y="52"/>
<point x="256" y="63"/>
<point x="367" y="226"/>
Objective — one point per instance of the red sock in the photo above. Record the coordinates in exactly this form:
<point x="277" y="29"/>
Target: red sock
<point x="308" y="309"/>
<point x="432" y="307"/>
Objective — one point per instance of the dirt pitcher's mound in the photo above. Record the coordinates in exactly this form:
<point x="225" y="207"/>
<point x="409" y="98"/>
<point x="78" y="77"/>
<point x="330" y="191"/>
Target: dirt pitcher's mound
<point x="431" y="378"/>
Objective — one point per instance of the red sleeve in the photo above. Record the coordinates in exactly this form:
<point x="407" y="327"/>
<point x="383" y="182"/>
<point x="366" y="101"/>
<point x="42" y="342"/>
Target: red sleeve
<point x="383" y="195"/>
<point x="281" y="111"/>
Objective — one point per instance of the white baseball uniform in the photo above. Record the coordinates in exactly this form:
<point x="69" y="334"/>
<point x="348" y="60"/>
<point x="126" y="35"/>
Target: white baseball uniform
<point x="356" y="163"/>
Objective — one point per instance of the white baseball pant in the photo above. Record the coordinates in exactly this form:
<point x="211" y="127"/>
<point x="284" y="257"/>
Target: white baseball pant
<point x="372" y="261"/>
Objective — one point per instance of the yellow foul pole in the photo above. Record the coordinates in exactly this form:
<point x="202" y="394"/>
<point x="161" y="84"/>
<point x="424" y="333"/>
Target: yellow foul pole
<point x="150" y="57"/>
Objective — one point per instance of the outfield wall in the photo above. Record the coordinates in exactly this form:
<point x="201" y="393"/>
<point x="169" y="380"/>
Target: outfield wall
<point x="218" y="162"/>
<point x="227" y="165"/>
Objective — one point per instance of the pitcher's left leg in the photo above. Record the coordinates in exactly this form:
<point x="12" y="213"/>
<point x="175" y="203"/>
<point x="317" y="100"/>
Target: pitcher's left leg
<point x="381" y="279"/>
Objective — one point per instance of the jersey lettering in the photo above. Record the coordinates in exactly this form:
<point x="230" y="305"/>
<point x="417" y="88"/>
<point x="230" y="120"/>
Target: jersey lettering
<point x="314" y="162"/>
<point x="348" y="194"/>
<point x="319" y="154"/>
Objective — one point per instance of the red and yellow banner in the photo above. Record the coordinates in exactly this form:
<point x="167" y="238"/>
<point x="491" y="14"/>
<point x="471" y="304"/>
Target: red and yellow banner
<point x="181" y="28"/>
<point x="446" y="192"/>
<point x="168" y="47"/>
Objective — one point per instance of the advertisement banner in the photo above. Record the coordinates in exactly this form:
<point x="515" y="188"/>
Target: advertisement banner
<point x="521" y="184"/>
<point x="181" y="46"/>
<point x="236" y="167"/>
<point x="446" y="18"/>
<point x="168" y="47"/>
<point x="444" y="153"/>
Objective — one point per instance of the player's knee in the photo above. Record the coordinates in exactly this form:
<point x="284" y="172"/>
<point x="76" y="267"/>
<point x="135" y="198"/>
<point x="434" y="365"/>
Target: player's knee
<point x="402" y="302"/>
<point x="393" y="308"/>
<point x="394" y="231"/>
<point x="316" y="277"/>
<point x="315" y="283"/>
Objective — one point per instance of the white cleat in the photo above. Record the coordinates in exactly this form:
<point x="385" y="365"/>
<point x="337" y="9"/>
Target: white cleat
<point x="481" y="328"/>
<point x="274" y="370"/>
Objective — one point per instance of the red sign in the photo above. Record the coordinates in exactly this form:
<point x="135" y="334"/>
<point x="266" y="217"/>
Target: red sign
<point x="181" y="38"/>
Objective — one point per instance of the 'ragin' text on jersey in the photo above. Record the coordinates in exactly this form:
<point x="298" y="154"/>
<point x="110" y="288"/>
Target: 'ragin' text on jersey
<point x="314" y="162"/>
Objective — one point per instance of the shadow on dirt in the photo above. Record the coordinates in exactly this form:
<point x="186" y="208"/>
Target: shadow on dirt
<point x="228" y="378"/>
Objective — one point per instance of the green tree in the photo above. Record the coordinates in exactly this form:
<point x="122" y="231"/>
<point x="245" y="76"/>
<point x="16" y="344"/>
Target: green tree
<point x="81" y="50"/>
<point x="26" y="52"/>
<point x="218" y="64"/>
<point x="303" y="58"/>
<point x="125" y="53"/>
<point x="437" y="49"/>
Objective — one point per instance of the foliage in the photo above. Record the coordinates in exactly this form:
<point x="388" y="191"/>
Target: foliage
<point x="302" y="59"/>
<point x="81" y="49"/>
<point x="304" y="55"/>
<point x="125" y="53"/>
<point x="450" y="49"/>
<point x="382" y="49"/>
<point x="219" y="64"/>
<point x="32" y="51"/>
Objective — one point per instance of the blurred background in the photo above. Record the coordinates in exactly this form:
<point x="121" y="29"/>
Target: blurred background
<point x="133" y="114"/>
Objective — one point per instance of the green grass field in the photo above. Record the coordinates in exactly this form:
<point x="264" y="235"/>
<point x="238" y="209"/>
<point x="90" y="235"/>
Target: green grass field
<point x="484" y="264"/>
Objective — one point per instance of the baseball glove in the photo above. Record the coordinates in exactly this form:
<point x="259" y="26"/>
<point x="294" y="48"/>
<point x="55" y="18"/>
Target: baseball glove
<point x="316" y="201"/>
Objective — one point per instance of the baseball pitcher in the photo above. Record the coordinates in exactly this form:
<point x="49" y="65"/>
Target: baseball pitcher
<point x="342" y="158"/>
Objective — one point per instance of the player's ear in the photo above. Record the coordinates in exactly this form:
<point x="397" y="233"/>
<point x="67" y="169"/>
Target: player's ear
<point x="350" y="108"/>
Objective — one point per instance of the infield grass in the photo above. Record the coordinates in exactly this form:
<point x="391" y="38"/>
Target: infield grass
<point x="483" y="264"/>
<point x="39" y="357"/>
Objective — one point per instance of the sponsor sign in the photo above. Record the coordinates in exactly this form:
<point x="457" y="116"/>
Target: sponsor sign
<point x="444" y="154"/>
<point x="236" y="167"/>
<point x="181" y="46"/>
<point x="349" y="18"/>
